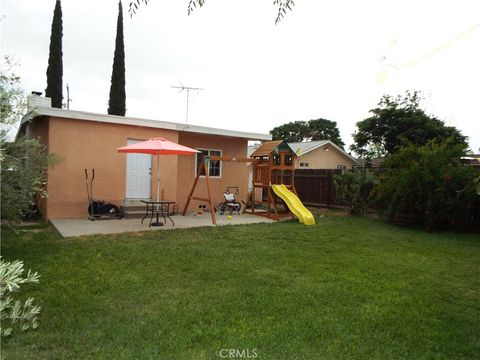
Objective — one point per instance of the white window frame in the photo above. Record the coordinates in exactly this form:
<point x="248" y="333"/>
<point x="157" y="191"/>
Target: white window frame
<point x="304" y="162"/>
<point x="221" y="163"/>
<point x="341" y="167"/>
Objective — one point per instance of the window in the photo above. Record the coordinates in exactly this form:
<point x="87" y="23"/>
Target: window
<point x="341" y="167"/>
<point x="304" y="164"/>
<point x="276" y="159"/>
<point x="214" y="166"/>
<point x="288" y="159"/>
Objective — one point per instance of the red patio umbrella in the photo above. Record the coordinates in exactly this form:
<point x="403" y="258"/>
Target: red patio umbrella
<point x="157" y="146"/>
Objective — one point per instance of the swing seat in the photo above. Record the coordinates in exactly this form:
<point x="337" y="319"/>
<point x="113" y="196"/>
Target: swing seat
<point x="230" y="204"/>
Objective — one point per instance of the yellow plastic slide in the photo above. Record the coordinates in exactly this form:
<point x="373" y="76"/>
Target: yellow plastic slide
<point x="294" y="204"/>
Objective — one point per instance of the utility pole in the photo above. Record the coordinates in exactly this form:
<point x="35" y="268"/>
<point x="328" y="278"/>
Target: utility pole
<point x="68" y="97"/>
<point x="66" y="104"/>
<point x="188" y="88"/>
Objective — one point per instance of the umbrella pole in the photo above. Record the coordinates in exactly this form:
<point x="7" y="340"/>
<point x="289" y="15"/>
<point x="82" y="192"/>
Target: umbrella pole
<point x="158" y="178"/>
<point x="158" y="223"/>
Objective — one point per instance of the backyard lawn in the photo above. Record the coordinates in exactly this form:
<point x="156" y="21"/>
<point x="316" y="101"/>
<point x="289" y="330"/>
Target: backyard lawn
<point x="347" y="288"/>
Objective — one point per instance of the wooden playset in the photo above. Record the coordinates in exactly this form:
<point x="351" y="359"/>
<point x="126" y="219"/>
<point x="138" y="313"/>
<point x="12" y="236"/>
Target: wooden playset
<point x="274" y="165"/>
<point x="273" y="169"/>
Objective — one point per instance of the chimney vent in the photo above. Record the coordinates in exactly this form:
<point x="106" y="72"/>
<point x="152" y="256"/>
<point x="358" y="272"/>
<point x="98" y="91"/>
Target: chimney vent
<point x="35" y="100"/>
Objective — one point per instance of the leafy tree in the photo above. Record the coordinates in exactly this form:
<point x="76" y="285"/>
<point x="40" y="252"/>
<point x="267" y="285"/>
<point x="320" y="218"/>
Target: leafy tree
<point x="116" y="103"/>
<point x="282" y="5"/>
<point x="429" y="186"/>
<point x="23" y="162"/>
<point x="24" y="174"/>
<point x="322" y="129"/>
<point x="292" y="132"/>
<point x="12" y="101"/>
<point x="318" y="129"/>
<point x="398" y="122"/>
<point x="14" y="313"/>
<point x="55" y="64"/>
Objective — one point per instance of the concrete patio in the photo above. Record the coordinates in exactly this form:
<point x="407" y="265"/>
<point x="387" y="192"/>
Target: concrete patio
<point x="80" y="227"/>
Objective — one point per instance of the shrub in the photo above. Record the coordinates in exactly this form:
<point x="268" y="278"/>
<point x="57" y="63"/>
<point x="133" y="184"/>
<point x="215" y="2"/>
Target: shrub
<point x="14" y="314"/>
<point x="23" y="162"/>
<point x="24" y="170"/>
<point x="354" y="188"/>
<point x="430" y="187"/>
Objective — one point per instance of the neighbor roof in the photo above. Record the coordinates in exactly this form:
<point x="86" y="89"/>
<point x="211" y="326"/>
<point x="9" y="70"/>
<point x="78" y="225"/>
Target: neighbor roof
<point x="125" y="120"/>
<point x="251" y="149"/>
<point x="302" y="148"/>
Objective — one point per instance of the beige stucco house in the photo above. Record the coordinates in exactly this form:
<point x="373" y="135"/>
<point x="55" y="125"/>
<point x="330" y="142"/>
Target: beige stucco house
<point x="323" y="154"/>
<point x="87" y="140"/>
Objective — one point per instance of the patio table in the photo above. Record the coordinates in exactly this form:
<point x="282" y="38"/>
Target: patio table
<point x="158" y="208"/>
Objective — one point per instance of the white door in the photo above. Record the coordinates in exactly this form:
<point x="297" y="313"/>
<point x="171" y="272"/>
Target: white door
<point x="139" y="178"/>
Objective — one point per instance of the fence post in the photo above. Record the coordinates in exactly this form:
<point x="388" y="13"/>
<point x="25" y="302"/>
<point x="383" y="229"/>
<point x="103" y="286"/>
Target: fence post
<point x="329" y="192"/>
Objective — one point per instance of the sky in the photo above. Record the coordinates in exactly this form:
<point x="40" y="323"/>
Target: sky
<point x="325" y="59"/>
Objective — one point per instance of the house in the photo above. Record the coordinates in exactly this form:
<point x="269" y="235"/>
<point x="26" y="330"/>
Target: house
<point x="370" y="163"/>
<point x="87" y="140"/>
<point x="322" y="154"/>
<point x="472" y="160"/>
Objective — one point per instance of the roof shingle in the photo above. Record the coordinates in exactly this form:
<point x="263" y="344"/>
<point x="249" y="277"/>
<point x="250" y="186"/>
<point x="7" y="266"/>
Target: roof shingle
<point x="266" y="148"/>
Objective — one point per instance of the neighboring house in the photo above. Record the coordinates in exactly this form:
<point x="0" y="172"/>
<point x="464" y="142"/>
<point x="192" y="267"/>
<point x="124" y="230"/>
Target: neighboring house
<point x="88" y="140"/>
<point x="252" y="148"/>
<point x="322" y="154"/>
<point x="472" y="160"/>
<point x="370" y="164"/>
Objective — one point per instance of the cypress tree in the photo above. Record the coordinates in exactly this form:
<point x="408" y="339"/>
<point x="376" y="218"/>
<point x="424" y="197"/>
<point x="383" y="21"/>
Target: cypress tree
<point x="116" y="103"/>
<point x="55" y="64"/>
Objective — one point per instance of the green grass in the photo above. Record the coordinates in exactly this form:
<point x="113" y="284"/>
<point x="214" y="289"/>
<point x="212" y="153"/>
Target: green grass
<point x="347" y="288"/>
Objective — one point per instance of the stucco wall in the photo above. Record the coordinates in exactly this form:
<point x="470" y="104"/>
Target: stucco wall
<point x="87" y="145"/>
<point x="233" y="173"/>
<point x="322" y="159"/>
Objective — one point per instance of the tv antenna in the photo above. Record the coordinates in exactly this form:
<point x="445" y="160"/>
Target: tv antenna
<point x="187" y="88"/>
<point x="67" y="104"/>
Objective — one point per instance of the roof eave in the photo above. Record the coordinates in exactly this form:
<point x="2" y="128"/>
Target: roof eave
<point x="114" y="119"/>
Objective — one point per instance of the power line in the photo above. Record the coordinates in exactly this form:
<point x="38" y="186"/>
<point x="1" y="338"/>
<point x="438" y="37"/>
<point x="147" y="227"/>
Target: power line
<point x="388" y="65"/>
<point x="442" y="47"/>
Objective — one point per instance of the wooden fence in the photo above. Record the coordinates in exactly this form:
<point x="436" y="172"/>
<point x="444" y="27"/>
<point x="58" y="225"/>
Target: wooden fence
<point x="316" y="186"/>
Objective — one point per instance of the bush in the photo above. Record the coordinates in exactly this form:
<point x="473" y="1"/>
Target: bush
<point x="14" y="314"/>
<point x="24" y="169"/>
<point x="354" y="188"/>
<point x="23" y="162"/>
<point x="430" y="187"/>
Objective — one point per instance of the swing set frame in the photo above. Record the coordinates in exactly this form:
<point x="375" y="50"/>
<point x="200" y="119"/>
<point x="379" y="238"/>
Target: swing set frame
<point x="204" y="168"/>
<point x="272" y="163"/>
